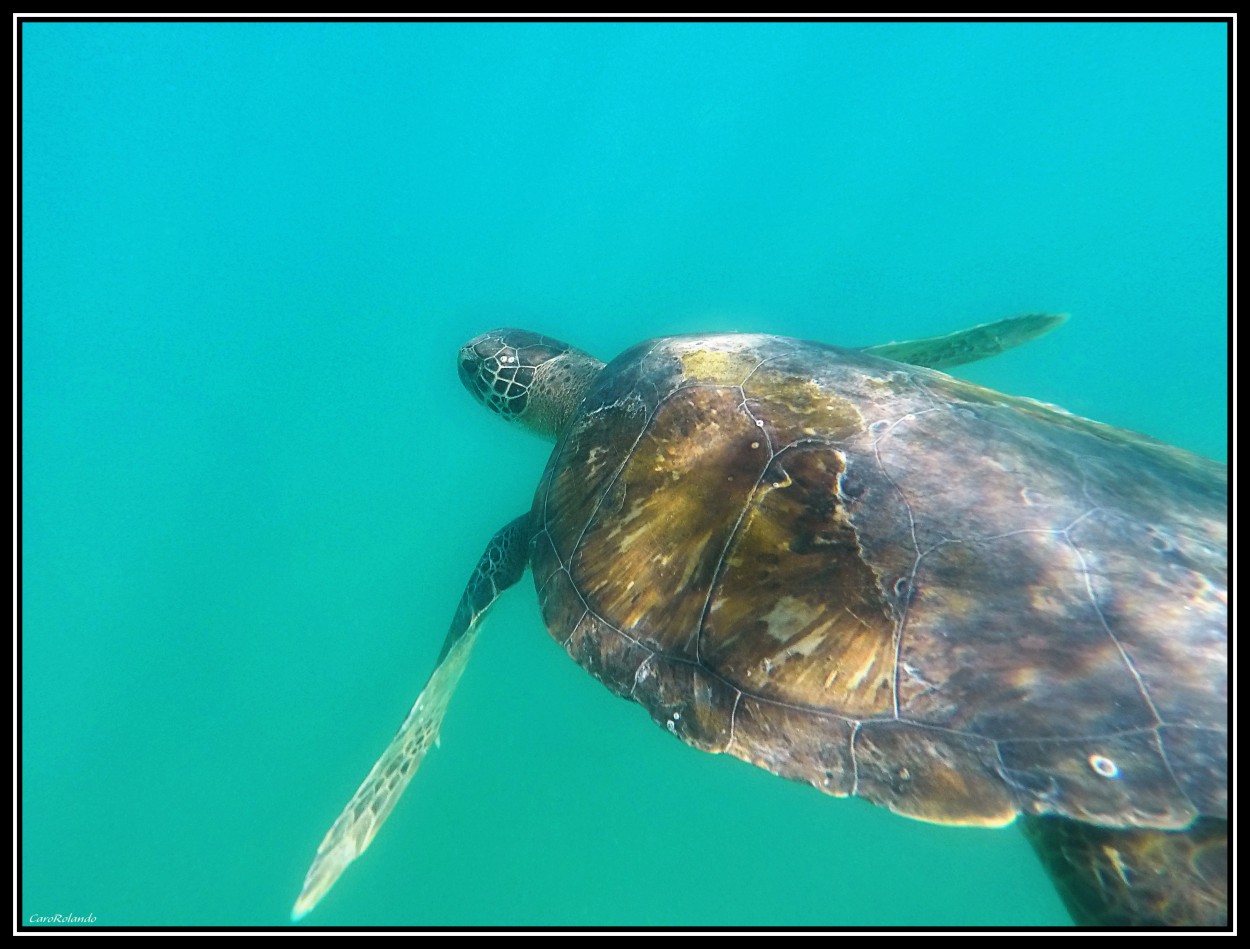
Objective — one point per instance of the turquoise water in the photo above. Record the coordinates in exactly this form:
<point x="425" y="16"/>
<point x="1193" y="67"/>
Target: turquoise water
<point x="253" y="487"/>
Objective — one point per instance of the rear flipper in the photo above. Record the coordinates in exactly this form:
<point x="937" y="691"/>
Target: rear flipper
<point x="1134" y="876"/>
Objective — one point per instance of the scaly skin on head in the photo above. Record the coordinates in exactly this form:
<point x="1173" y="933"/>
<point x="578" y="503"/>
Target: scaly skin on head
<point x="527" y="377"/>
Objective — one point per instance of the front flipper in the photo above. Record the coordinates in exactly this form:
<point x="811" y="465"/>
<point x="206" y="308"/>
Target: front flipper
<point x="970" y="345"/>
<point x="499" y="567"/>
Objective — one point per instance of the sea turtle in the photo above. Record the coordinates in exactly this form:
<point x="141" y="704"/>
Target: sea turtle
<point x="858" y="572"/>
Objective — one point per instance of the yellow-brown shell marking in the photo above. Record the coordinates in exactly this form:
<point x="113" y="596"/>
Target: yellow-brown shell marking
<point x="885" y="582"/>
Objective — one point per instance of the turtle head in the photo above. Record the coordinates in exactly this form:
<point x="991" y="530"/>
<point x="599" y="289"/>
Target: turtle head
<point x="527" y="377"/>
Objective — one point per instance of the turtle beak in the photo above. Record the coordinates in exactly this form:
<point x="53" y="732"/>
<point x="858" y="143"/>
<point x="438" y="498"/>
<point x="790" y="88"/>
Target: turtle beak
<point x="469" y="365"/>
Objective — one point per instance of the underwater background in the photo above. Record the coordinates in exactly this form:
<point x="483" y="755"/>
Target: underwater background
<point x="253" y="487"/>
